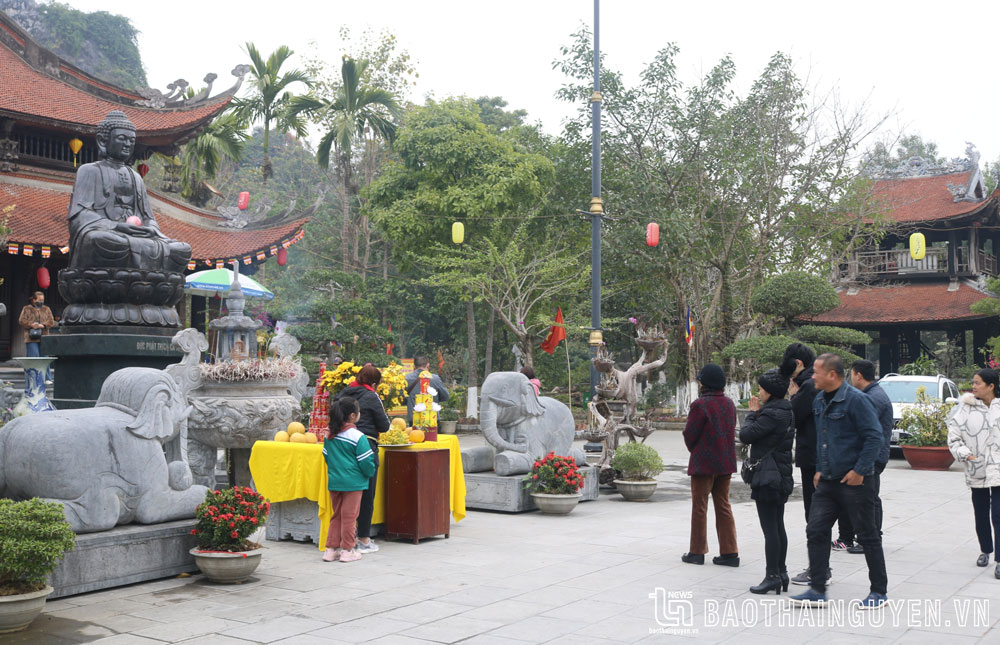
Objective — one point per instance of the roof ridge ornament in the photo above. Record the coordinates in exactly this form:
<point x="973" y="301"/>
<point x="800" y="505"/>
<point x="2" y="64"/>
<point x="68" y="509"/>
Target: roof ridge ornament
<point x="917" y="166"/>
<point x="174" y="97"/>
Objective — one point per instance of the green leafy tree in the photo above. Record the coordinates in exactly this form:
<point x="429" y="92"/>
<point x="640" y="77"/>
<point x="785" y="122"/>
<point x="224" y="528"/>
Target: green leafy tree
<point x="355" y="113"/>
<point x="270" y="98"/>
<point x="453" y="168"/>
<point x="743" y="186"/>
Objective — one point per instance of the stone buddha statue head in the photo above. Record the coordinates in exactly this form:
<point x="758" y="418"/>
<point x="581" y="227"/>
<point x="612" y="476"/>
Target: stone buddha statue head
<point x="116" y="137"/>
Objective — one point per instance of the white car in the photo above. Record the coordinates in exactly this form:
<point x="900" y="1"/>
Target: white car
<point x="902" y="391"/>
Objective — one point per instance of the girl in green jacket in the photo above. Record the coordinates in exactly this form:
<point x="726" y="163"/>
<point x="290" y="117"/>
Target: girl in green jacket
<point x="350" y="463"/>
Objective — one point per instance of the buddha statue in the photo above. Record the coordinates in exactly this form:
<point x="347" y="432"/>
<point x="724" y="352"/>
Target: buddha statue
<point x="122" y="269"/>
<point x="105" y="195"/>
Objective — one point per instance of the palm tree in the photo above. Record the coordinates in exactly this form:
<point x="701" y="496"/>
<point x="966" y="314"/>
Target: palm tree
<point x="222" y="139"/>
<point x="270" y="99"/>
<point x="355" y="113"/>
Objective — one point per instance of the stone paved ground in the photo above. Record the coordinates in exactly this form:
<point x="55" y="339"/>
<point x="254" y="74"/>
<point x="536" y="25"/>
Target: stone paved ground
<point x="583" y="578"/>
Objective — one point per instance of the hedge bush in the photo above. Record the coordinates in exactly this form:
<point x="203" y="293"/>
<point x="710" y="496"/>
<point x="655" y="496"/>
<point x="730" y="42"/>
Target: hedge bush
<point x="34" y="535"/>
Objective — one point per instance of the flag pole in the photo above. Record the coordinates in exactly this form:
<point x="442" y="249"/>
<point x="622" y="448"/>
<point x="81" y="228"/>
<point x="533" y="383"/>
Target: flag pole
<point x="569" y="380"/>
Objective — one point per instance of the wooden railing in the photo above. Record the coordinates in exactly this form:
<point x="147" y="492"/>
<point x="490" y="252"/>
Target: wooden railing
<point x="899" y="262"/>
<point x="893" y="262"/>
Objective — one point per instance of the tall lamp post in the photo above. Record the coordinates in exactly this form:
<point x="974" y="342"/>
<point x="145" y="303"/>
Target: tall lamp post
<point x="596" y="209"/>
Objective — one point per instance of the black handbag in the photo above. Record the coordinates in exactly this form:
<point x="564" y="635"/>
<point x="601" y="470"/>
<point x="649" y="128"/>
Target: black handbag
<point x="750" y="467"/>
<point x="34" y="334"/>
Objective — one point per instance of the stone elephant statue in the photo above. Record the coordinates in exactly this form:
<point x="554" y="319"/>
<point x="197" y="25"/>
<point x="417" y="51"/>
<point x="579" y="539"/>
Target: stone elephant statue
<point x="520" y="426"/>
<point x="119" y="462"/>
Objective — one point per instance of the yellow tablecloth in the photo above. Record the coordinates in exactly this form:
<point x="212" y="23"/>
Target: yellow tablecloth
<point x="285" y="471"/>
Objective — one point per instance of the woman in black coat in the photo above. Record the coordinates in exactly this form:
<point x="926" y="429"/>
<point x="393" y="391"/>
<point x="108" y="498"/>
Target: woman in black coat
<point x="769" y="430"/>
<point x="373" y="421"/>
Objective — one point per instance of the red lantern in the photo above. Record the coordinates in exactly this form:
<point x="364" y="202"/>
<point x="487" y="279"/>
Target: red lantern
<point x="244" y="200"/>
<point x="42" y="277"/>
<point x="142" y="169"/>
<point x="282" y="257"/>
<point x="652" y="234"/>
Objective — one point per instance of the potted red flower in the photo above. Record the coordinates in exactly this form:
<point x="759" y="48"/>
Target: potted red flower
<point x="225" y="521"/>
<point x="555" y="483"/>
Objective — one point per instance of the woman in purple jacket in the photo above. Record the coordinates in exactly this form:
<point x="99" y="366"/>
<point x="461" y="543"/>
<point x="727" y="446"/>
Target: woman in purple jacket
<point x="710" y="435"/>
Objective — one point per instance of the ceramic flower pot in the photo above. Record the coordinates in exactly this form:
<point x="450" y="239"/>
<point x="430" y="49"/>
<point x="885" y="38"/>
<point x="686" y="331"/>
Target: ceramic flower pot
<point x="556" y="504"/>
<point x="447" y="427"/>
<point x="224" y="567"/>
<point x="17" y="611"/>
<point x="636" y="491"/>
<point x="928" y="457"/>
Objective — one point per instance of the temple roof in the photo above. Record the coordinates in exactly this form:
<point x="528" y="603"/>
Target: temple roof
<point x="42" y="203"/>
<point x="904" y="303"/>
<point x="927" y="198"/>
<point x="39" y="88"/>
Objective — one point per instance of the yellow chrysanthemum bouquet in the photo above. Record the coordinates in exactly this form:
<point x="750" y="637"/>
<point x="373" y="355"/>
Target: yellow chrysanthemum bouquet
<point x="392" y="388"/>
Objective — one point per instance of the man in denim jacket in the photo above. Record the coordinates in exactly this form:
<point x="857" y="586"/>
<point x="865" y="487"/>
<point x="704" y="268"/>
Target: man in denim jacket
<point x="848" y="440"/>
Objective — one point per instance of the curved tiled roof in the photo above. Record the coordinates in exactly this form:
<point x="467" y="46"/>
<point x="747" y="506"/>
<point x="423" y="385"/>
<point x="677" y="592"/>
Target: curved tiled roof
<point x="905" y="303"/>
<point x="922" y="199"/>
<point x="52" y="92"/>
<point x="40" y="218"/>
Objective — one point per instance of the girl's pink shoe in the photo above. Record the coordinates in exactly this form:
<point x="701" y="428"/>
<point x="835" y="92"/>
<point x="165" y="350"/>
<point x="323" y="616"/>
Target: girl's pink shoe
<point x="330" y="555"/>
<point x="350" y="556"/>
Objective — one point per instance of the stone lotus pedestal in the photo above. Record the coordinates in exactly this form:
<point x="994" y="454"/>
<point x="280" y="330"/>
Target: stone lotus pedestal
<point x="35" y="397"/>
<point x="120" y="296"/>
<point x="233" y="415"/>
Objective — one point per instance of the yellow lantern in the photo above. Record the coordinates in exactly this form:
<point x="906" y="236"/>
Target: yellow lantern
<point x="918" y="246"/>
<point x="458" y="232"/>
<point x="75" y="145"/>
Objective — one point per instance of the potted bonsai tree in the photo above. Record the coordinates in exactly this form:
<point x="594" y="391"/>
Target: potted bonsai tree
<point x="926" y="447"/>
<point x="638" y="464"/>
<point x="555" y="484"/>
<point x="34" y="535"/>
<point x="225" y="521"/>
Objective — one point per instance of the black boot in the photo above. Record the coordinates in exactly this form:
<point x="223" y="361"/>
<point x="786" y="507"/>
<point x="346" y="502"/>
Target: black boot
<point x="693" y="558"/>
<point x="727" y="560"/>
<point x="783" y="574"/>
<point x="771" y="582"/>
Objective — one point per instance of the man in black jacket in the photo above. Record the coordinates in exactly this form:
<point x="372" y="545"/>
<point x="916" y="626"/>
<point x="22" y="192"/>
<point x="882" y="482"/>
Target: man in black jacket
<point x="797" y="364"/>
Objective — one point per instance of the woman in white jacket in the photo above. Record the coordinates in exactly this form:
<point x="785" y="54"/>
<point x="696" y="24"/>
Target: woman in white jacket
<point x="974" y="439"/>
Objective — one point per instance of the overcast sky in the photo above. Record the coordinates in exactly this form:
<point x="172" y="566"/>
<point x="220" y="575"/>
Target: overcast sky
<point x="932" y="65"/>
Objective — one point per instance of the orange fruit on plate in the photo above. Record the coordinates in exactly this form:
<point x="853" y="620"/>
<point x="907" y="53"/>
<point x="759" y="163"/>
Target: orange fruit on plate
<point x="280" y="435"/>
<point x="295" y="427"/>
<point x="298" y="437"/>
<point x="417" y="436"/>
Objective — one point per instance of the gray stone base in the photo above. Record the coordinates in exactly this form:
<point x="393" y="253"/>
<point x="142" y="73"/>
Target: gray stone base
<point x="125" y="555"/>
<point x="491" y="492"/>
<point x="297" y="520"/>
<point x="86" y="356"/>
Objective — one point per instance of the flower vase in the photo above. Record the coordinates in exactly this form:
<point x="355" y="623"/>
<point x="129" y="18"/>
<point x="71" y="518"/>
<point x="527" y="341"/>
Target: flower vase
<point x="35" y="398"/>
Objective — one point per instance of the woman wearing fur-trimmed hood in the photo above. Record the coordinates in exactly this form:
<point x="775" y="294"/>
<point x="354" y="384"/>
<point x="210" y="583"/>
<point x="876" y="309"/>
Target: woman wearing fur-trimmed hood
<point x="974" y="440"/>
